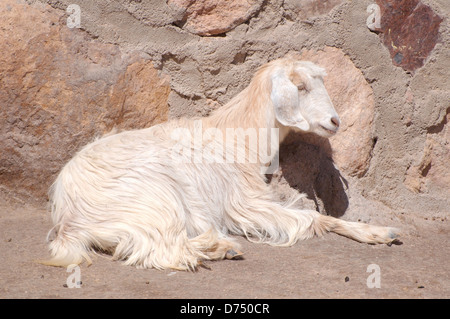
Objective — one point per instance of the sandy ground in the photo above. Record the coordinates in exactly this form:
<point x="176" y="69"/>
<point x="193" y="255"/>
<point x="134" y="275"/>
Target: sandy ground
<point x="327" y="267"/>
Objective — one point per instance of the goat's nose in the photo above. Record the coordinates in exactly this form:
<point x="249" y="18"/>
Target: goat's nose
<point x="335" y="121"/>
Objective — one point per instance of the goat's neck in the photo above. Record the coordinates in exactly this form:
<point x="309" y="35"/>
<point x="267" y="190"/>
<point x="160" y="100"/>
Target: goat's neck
<point x="238" y="113"/>
<point x="252" y="108"/>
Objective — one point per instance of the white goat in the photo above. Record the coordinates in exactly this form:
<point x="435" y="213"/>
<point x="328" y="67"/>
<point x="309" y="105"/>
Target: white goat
<point x="126" y="195"/>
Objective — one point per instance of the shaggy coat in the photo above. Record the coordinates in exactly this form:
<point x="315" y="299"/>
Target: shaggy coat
<point x="140" y="196"/>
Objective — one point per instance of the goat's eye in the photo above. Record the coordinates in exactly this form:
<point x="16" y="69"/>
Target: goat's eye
<point x="301" y="86"/>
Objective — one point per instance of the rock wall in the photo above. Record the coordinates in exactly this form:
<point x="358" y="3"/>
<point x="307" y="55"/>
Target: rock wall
<point x="131" y="64"/>
<point x="60" y="89"/>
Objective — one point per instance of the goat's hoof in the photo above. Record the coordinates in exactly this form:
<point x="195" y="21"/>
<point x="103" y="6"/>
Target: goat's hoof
<point x="202" y="264"/>
<point x="394" y="235"/>
<point x="395" y="241"/>
<point x="233" y="254"/>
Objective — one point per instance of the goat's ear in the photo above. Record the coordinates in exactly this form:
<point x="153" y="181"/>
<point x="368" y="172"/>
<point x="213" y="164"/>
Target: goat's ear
<point x="284" y="96"/>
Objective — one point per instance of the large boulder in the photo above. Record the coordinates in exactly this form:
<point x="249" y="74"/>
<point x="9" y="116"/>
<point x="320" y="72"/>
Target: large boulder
<point x="59" y="89"/>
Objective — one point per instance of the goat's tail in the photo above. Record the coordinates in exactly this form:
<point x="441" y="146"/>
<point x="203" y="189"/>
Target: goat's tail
<point x="360" y="232"/>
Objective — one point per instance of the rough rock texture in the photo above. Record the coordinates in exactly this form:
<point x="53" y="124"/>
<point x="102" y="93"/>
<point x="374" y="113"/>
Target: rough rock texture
<point x="410" y="30"/>
<point x="306" y="9"/>
<point x="60" y="89"/>
<point x="213" y="17"/>
<point x="431" y="172"/>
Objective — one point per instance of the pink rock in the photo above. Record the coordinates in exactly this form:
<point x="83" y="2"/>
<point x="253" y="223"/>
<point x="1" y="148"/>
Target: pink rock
<point x="59" y="89"/>
<point x="211" y="17"/>
<point x="305" y="9"/>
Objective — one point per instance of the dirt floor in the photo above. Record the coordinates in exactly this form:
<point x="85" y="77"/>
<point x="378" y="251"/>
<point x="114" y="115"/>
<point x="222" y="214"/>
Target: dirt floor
<point x="327" y="267"/>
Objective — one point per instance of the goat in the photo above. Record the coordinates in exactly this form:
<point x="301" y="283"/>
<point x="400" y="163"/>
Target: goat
<point x="126" y="195"/>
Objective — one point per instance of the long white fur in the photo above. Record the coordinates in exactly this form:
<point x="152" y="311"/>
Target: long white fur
<point x="125" y="195"/>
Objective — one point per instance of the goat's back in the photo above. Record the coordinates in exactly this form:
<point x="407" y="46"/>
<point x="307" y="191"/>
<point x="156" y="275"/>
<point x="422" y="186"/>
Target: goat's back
<point x="117" y="177"/>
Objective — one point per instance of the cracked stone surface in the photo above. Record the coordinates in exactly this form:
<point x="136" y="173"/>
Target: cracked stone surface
<point x="410" y="30"/>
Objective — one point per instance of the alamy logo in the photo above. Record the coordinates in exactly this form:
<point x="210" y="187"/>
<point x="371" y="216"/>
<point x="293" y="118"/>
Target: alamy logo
<point x="232" y="145"/>
<point x="74" y="279"/>
<point x="374" y="279"/>
<point x="74" y="19"/>
<point x="373" y="21"/>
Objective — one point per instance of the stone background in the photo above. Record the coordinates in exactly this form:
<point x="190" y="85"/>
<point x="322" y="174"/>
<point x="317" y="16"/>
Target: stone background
<point x="132" y="64"/>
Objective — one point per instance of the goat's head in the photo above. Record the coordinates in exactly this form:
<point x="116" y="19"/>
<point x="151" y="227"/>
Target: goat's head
<point x="299" y="97"/>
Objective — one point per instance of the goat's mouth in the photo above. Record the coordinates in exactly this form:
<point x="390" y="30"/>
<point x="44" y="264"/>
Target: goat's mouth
<point x="328" y="131"/>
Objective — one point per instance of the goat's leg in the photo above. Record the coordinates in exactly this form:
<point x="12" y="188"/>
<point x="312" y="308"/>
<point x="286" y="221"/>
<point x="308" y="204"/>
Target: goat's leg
<point x="217" y="248"/>
<point x="357" y="231"/>
<point x="136" y="246"/>
<point x="180" y="252"/>
<point x="263" y="221"/>
<point x="174" y="250"/>
<point x="272" y="223"/>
